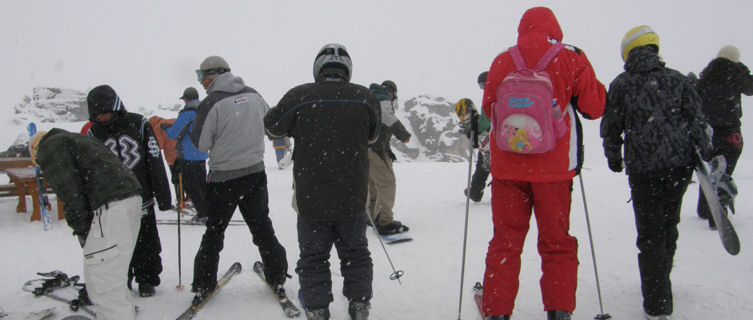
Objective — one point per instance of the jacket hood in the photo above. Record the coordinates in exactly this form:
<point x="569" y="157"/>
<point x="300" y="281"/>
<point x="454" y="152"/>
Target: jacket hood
<point x="379" y="91"/>
<point x="643" y="59"/>
<point x="104" y="99"/>
<point x="226" y="82"/>
<point x="537" y="29"/>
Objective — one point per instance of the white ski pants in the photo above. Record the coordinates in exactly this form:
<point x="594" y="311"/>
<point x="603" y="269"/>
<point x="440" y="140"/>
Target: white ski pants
<point x="107" y="254"/>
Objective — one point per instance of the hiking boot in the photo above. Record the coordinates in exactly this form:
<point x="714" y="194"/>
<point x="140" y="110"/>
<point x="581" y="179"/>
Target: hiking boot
<point x="317" y="314"/>
<point x="497" y="318"/>
<point x="359" y="310"/>
<point x="392" y="228"/>
<point x="146" y="290"/>
<point x="557" y="315"/>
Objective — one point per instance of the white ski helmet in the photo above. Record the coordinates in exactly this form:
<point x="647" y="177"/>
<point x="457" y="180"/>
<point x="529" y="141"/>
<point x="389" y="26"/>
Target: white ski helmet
<point x="333" y="55"/>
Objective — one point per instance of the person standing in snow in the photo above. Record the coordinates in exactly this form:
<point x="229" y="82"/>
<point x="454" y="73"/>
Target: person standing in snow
<point x="720" y="86"/>
<point x="332" y="122"/>
<point x="542" y="182"/>
<point x="129" y="136"/>
<point x="478" y="181"/>
<point x="190" y="163"/>
<point x="167" y="146"/>
<point x="229" y="125"/>
<point x="382" y="182"/>
<point x="94" y="183"/>
<point x="654" y="113"/>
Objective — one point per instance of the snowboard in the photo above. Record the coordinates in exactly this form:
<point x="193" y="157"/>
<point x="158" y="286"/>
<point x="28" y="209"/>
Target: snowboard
<point x="396" y="238"/>
<point x="36" y="315"/>
<point x="709" y="175"/>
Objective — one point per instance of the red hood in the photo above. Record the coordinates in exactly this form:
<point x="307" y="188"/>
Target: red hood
<point x="537" y="26"/>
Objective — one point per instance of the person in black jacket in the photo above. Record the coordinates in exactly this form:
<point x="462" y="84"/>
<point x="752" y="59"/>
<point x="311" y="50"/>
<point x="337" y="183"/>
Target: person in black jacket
<point x="94" y="184"/>
<point x="720" y="86"/>
<point x="658" y="112"/>
<point x="332" y="122"/>
<point x="382" y="181"/>
<point x="129" y="136"/>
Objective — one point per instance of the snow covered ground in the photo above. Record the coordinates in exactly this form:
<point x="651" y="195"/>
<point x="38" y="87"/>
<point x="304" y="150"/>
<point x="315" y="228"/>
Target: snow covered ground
<point x="708" y="283"/>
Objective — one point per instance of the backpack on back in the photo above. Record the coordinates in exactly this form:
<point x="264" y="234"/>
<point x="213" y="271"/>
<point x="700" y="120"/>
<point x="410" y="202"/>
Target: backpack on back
<point x="525" y="116"/>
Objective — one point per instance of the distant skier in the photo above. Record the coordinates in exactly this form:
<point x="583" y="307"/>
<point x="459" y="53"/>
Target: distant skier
<point x="478" y="181"/>
<point x="382" y="181"/>
<point x="720" y="86"/>
<point x="541" y="183"/>
<point x="103" y="207"/>
<point x="332" y="122"/>
<point x="129" y="136"/>
<point x="191" y="162"/>
<point x="658" y="112"/>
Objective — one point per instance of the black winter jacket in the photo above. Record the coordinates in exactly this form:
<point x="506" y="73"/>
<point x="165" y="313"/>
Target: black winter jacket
<point x="389" y="125"/>
<point x="659" y="113"/>
<point x="720" y="86"/>
<point x="84" y="174"/>
<point x="130" y="137"/>
<point x="332" y="122"/>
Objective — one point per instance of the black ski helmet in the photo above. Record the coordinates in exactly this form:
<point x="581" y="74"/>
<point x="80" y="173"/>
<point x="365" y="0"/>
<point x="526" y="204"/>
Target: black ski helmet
<point x="333" y="55"/>
<point x="482" y="79"/>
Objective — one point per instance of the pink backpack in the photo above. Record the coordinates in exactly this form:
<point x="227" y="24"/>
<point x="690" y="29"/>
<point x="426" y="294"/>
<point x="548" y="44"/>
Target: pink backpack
<point x="526" y="118"/>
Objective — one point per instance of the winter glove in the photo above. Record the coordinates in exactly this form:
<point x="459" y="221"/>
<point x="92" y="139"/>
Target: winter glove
<point x="615" y="165"/>
<point x="707" y="155"/>
<point x="164" y="126"/>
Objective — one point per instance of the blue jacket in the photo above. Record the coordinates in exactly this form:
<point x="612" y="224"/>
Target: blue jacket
<point x="186" y="117"/>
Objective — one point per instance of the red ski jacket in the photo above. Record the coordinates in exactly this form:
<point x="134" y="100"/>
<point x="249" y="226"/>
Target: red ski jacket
<point x="575" y="87"/>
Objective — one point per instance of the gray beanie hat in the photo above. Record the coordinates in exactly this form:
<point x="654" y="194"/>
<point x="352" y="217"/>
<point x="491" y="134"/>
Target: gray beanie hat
<point x="214" y="62"/>
<point x="730" y="53"/>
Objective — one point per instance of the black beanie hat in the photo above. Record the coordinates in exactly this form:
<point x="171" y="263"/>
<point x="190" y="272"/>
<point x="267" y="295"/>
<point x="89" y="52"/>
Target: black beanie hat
<point x="390" y="86"/>
<point x="103" y="99"/>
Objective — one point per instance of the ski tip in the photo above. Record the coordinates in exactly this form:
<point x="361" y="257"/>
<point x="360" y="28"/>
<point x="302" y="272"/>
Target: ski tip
<point x="236" y="266"/>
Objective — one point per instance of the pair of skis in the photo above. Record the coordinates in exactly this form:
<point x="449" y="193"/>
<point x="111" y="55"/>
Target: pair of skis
<point x="53" y="281"/>
<point x="44" y="202"/>
<point x="287" y="306"/>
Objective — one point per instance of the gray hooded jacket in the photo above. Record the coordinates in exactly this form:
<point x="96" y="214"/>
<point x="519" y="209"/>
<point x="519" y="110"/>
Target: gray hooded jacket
<point x="230" y="126"/>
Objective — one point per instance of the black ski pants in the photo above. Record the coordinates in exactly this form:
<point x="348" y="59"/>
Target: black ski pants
<point x="657" y="200"/>
<point x="146" y="263"/>
<point x="250" y="194"/>
<point x="315" y="240"/>
<point x="729" y="143"/>
<point x="195" y="183"/>
<point x="478" y="180"/>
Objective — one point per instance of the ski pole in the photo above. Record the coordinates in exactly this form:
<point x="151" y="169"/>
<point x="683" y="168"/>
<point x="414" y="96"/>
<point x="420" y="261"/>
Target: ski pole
<point x="602" y="315"/>
<point x="473" y="143"/>
<point x="396" y="274"/>
<point x="180" y="211"/>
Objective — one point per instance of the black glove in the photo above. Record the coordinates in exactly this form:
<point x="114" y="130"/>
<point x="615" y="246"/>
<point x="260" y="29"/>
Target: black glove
<point x="615" y="165"/>
<point x="164" y="126"/>
<point x="707" y="155"/>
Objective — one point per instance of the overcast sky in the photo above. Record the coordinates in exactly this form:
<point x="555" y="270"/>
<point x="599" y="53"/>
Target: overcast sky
<point x="148" y="50"/>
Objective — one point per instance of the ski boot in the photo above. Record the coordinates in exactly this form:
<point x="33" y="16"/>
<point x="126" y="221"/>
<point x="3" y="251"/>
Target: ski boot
<point x="359" y="310"/>
<point x="392" y="228"/>
<point x="317" y="314"/>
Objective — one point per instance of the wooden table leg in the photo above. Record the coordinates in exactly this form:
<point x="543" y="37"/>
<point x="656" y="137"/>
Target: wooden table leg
<point x="35" y="215"/>
<point x="61" y="216"/>
<point x="21" y="190"/>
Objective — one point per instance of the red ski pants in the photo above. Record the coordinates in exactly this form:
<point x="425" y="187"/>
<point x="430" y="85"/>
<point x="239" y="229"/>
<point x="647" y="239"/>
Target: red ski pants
<point x="512" y="205"/>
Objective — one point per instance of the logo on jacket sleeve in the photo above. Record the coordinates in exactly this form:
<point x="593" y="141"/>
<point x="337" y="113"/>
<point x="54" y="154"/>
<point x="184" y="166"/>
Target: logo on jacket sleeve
<point x="240" y="100"/>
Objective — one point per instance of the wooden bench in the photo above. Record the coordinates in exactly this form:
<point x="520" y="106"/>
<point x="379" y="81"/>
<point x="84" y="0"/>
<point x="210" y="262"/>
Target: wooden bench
<point x="25" y="183"/>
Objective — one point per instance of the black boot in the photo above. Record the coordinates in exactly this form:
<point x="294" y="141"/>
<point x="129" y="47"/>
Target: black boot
<point x="557" y="315"/>
<point x="146" y="290"/>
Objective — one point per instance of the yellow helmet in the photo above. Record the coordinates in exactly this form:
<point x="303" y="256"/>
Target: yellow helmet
<point x="637" y="37"/>
<point x="463" y="108"/>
